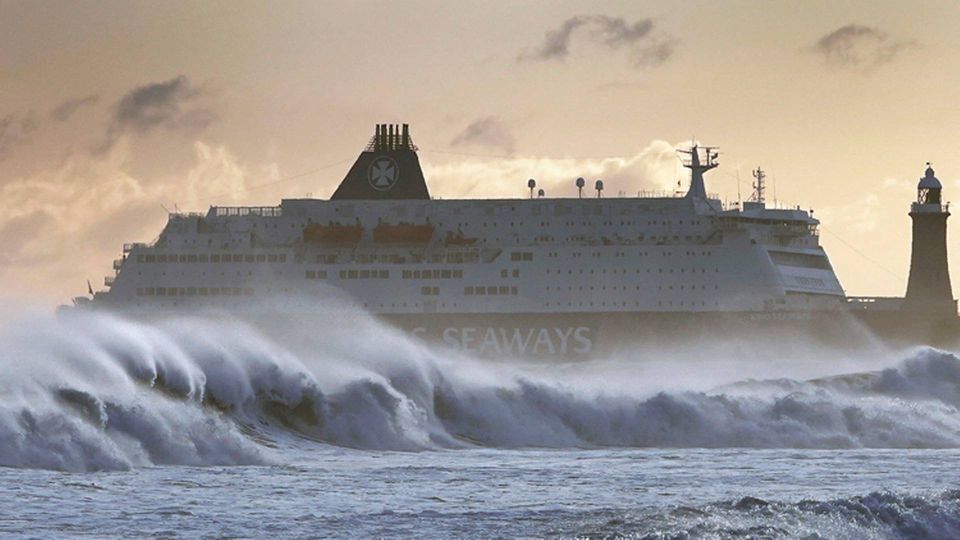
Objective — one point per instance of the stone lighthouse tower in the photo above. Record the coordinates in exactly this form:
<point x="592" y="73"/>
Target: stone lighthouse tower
<point x="928" y="288"/>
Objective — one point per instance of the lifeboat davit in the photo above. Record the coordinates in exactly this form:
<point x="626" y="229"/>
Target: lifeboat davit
<point x="333" y="233"/>
<point x="402" y="233"/>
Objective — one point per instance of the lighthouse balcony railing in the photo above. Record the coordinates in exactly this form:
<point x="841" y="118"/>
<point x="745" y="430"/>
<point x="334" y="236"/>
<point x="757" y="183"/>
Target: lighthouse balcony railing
<point x="935" y="208"/>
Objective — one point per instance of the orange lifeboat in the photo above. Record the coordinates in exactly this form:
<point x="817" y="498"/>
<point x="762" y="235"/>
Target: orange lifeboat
<point x="333" y="233"/>
<point x="459" y="239"/>
<point x="402" y="233"/>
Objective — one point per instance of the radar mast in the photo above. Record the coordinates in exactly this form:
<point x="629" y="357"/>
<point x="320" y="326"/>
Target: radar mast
<point x="699" y="159"/>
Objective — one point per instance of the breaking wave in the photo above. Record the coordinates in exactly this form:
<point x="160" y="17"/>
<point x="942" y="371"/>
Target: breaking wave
<point x="94" y="392"/>
<point x="875" y="515"/>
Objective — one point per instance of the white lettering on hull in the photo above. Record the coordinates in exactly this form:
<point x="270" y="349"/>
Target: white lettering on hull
<point x="505" y="341"/>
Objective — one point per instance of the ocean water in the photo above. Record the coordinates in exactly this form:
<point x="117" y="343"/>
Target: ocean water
<point x="193" y="427"/>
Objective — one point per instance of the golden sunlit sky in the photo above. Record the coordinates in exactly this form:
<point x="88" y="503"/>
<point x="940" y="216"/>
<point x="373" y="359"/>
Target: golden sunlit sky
<point x="113" y="113"/>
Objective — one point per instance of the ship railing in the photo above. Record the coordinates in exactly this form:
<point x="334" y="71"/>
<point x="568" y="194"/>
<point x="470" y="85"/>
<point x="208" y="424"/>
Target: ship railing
<point x="117" y="263"/>
<point x="108" y="281"/>
<point x="127" y="248"/>
<point x="874" y="303"/>
<point x="265" y="211"/>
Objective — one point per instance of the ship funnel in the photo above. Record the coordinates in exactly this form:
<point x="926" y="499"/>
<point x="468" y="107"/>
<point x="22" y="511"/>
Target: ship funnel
<point x="388" y="168"/>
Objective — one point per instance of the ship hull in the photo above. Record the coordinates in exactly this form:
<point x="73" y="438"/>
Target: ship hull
<point x="603" y="334"/>
<point x="588" y="335"/>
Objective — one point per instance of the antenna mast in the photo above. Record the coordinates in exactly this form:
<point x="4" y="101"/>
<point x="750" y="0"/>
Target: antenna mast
<point x="759" y="186"/>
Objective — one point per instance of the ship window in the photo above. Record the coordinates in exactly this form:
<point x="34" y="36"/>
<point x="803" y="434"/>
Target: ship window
<point x="457" y="274"/>
<point x="406" y="274"/>
<point x="504" y="290"/>
<point x="513" y="291"/>
<point x="203" y="258"/>
<point x="283" y="257"/>
<point x="249" y="258"/>
<point x="272" y="258"/>
<point x="364" y="274"/>
<point x="183" y="258"/>
<point x="503" y="273"/>
<point x="311" y="274"/>
<point x="351" y="274"/>
<point x="261" y="258"/>
<point x="203" y="291"/>
<point x="236" y="291"/>
<point x="161" y="258"/>
<point x="150" y="291"/>
<point x="468" y="291"/>
<point x="480" y="290"/>
<point x="416" y="274"/>
<point x="491" y="290"/>
<point x="215" y="258"/>
<point x="191" y="291"/>
<point x="248" y="292"/>
<point x="237" y="257"/>
<point x="171" y="292"/>
<point x="161" y="292"/>
<point x="516" y="256"/>
<point x="225" y="291"/>
<point x="801" y="260"/>
<point x="384" y="274"/>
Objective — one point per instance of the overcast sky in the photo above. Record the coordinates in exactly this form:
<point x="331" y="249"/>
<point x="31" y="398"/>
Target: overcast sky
<point x="112" y="113"/>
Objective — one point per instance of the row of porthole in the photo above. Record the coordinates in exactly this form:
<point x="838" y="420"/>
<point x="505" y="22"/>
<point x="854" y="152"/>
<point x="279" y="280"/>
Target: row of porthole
<point x="624" y="271"/>
<point x="194" y="291"/>
<point x="624" y="304"/>
<point x="624" y="288"/>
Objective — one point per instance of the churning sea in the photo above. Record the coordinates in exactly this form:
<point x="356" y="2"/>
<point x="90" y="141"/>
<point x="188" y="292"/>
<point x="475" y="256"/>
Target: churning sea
<point x="196" y="428"/>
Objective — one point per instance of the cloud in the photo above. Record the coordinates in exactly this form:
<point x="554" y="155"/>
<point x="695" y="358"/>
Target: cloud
<point x="64" y="225"/>
<point x="856" y="45"/>
<point x="161" y="105"/>
<point x="655" y="53"/>
<point x="65" y="110"/>
<point x="16" y="130"/>
<point x="612" y="32"/>
<point x="653" y="168"/>
<point x="488" y="132"/>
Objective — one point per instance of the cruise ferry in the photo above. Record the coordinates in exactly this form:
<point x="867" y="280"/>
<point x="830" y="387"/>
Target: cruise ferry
<point x="526" y="276"/>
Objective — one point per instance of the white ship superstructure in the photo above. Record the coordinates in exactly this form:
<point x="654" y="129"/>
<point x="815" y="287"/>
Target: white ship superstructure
<point x="381" y="244"/>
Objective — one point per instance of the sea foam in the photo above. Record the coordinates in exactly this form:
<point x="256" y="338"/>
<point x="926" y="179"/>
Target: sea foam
<point x="98" y="392"/>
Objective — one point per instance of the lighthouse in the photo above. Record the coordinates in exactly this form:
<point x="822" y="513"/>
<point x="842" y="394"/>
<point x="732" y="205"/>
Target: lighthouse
<point x="928" y="288"/>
